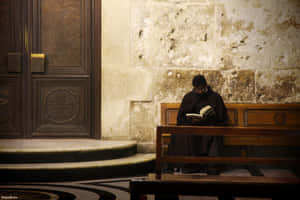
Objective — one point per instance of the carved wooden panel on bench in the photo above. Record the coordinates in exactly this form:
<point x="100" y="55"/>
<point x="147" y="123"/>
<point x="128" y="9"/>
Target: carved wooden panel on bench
<point x="283" y="118"/>
<point x="254" y="115"/>
<point x="172" y="116"/>
<point x="232" y="117"/>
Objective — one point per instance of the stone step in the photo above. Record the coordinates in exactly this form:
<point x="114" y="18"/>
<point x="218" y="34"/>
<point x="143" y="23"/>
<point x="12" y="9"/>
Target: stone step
<point x="63" y="150"/>
<point x="137" y="164"/>
<point x="70" y="159"/>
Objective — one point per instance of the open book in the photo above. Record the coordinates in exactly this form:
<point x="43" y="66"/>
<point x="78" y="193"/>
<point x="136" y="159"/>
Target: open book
<point x="203" y="112"/>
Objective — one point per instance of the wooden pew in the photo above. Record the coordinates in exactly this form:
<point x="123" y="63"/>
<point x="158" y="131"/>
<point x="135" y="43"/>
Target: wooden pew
<point x="162" y="156"/>
<point x="225" y="188"/>
<point x="250" y="115"/>
<point x="249" y="124"/>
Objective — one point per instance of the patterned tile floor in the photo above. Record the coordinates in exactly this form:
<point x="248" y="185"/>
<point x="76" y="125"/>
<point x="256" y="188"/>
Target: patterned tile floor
<point x="107" y="189"/>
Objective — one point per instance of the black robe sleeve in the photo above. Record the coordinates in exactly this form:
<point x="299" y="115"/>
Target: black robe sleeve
<point x="186" y="106"/>
<point x="221" y="112"/>
<point x="192" y="103"/>
<point x="191" y="145"/>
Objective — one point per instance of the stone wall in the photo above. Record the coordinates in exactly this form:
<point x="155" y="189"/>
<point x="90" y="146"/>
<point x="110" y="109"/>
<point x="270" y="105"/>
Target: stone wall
<point x="249" y="50"/>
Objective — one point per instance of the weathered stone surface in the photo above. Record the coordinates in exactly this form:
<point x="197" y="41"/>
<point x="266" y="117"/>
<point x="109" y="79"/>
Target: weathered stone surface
<point x="285" y="35"/>
<point x="241" y="87"/>
<point x="142" y="126"/>
<point x="249" y="51"/>
<point x="140" y="30"/>
<point x="239" y="42"/>
<point x="171" y="85"/>
<point x="215" y="79"/>
<point x="146" y="147"/>
<point x="181" y="35"/>
<point x="235" y="86"/>
<point x="278" y="86"/>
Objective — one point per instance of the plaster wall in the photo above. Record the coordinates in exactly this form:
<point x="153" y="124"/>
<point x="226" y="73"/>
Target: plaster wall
<point x="249" y="50"/>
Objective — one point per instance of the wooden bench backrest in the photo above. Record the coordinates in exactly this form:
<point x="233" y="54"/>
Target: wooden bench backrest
<point x="249" y="115"/>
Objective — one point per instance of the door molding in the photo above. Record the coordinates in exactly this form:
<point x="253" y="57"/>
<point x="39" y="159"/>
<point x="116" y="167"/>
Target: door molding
<point x="86" y="39"/>
<point x="26" y="71"/>
<point x="96" y="74"/>
<point x="32" y="43"/>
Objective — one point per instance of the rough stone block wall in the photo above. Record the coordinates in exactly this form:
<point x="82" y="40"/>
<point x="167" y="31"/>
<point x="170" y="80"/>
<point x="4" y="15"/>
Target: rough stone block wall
<point x="249" y="51"/>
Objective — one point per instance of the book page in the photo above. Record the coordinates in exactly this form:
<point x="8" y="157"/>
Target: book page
<point x="193" y="115"/>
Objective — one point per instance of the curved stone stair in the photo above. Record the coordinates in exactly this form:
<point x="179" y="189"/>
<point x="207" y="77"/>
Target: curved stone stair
<point x="70" y="159"/>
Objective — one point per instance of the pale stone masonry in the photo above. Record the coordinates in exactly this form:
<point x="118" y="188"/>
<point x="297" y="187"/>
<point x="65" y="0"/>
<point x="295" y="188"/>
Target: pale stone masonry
<point x="249" y="50"/>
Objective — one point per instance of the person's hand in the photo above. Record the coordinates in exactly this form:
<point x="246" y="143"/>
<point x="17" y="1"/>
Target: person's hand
<point x="196" y="120"/>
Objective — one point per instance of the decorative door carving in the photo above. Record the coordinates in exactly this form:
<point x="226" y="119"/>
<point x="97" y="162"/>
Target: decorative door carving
<point x="61" y="94"/>
<point x="46" y="57"/>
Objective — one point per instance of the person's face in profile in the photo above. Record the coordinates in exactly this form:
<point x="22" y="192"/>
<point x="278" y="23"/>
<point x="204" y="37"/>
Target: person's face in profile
<point x="200" y="89"/>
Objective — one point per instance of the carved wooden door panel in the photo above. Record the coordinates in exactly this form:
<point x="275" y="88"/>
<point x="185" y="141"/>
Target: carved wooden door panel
<point x="61" y="68"/>
<point x="46" y="68"/>
<point x="10" y="67"/>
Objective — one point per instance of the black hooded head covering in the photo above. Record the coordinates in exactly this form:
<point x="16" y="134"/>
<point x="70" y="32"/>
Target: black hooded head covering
<point x="199" y="81"/>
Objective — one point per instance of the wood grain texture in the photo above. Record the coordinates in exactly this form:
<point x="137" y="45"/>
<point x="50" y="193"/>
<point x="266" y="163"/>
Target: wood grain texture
<point x="287" y="132"/>
<point x="250" y="115"/>
<point x="10" y="35"/>
<point x="96" y="70"/>
<point x="62" y="30"/>
<point x="61" y="107"/>
<point x="4" y="34"/>
<point x="65" y="31"/>
<point x="10" y="107"/>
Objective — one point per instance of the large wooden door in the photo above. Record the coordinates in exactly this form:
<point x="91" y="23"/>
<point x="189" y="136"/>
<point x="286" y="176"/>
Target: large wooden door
<point x="11" y="48"/>
<point x="61" y="90"/>
<point x="48" y="69"/>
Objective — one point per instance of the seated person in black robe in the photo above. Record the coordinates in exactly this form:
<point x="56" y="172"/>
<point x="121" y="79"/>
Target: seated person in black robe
<point x="192" y="145"/>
